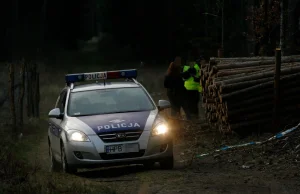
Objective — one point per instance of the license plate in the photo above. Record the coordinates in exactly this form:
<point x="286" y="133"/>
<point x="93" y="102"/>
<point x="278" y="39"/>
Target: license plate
<point x="121" y="148"/>
<point x="95" y="76"/>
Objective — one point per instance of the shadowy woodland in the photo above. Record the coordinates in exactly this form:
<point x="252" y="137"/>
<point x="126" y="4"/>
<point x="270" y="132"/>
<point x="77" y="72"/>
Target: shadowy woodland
<point x="41" y="41"/>
<point x="148" y="31"/>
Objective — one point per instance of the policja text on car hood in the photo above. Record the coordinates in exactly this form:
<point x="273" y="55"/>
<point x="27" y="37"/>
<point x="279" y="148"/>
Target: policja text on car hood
<point x="116" y="121"/>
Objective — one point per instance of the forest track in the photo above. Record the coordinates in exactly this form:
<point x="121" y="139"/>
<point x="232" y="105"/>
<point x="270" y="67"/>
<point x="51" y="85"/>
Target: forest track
<point x="206" y="175"/>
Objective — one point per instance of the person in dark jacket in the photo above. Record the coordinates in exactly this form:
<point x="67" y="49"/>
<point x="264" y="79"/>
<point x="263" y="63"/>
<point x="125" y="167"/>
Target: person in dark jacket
<point x="176" y="91"/>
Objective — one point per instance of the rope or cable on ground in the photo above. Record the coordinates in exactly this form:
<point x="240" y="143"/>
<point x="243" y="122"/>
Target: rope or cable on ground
<point x="277" y="136"/>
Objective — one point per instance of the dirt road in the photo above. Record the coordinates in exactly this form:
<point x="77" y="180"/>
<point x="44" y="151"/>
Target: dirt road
<point x="235" y="172"/>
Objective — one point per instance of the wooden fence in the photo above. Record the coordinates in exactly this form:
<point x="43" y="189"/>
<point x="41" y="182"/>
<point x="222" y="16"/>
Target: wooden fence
<point x="27" y="89"/>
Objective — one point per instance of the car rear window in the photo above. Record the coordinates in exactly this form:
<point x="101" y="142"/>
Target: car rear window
<point x="106" y="101"/>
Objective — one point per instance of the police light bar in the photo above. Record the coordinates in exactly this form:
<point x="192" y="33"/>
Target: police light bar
<point x="80" y="77"/>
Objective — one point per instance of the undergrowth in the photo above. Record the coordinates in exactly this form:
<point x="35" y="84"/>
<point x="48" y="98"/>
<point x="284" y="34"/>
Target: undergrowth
<point x="19" y="175"/>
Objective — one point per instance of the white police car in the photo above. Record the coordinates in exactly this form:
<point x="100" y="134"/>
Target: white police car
<point x="98" y="124"/>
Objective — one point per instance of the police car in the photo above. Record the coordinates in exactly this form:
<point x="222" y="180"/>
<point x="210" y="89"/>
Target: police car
<point x="99" y="123"/>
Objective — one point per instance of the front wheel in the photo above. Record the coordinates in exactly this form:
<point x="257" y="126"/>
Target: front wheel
<point x="66" y="168"/>
<point x="167" y="163"/>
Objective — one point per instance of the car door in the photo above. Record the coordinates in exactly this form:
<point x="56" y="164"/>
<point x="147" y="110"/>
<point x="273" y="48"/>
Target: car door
<point x="56" y="127"/>
<point x="52" y="129"/>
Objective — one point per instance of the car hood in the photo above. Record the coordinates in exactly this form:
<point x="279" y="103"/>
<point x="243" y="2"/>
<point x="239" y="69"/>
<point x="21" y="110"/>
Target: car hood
<point x="117" y="121"/>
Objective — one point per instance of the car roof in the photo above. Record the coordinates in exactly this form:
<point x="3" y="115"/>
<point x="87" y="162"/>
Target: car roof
<point x="101" y="85"/>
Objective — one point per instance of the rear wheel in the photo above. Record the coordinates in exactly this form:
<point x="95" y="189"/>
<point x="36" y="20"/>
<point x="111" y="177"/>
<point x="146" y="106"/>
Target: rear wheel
<point x="66" y="168"/>
<point x="167" y="163"/>
<point x="54" y="165"/>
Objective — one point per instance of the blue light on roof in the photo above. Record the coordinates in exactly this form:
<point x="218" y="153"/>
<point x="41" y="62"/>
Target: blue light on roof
<point x="80" y="77"/>
<point x="71" y="78"/>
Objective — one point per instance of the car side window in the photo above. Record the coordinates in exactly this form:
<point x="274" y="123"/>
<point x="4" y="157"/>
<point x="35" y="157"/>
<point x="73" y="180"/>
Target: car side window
<point x="62" y="101"/>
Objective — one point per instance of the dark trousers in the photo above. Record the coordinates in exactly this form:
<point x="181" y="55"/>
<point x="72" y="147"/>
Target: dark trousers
<point x="192" y="100"/>
<point x="177" y="100"/>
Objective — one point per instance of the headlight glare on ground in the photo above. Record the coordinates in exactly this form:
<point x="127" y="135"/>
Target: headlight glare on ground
<point x="78" y="136"/>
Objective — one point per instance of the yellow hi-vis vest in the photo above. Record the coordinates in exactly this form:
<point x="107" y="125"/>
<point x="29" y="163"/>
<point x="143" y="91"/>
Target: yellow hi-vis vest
<point x="189" y="83"/>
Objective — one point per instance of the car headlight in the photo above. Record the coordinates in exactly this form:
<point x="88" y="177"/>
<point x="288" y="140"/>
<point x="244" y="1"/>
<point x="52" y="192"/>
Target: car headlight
<point x="77" y="136"/>
<point x="160" y="127"/>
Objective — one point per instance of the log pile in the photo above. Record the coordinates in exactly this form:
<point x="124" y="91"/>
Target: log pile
<point x="238" y="93"/>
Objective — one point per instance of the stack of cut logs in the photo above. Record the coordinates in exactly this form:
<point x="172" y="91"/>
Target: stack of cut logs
<point x="238" y="93"/>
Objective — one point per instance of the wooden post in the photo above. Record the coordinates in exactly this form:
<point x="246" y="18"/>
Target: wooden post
<point x="276" y="117"/>
<point x="22" y="91"/>
<point x="12" y="94"/>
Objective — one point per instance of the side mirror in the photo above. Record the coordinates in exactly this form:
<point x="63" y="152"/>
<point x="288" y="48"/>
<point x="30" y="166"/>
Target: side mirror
<point x="163" y="104"/>
<point x="55" y="113"/>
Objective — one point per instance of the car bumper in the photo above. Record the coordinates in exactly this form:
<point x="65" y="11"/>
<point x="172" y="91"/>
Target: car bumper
<point x="92" y="154"/>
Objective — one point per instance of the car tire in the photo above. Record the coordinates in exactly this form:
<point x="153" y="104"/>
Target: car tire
<point x="54" y="165"/>
<point x="167" y="163"/>
<point x="148" y="165"/>
<point x="66" y="168"/>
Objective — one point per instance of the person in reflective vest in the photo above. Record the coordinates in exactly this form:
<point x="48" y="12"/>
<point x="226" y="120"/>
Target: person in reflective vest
<point x="193" y="87"/>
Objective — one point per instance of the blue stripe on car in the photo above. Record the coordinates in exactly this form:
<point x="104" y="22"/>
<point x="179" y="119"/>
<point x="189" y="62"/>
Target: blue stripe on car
<point x="116" y="122"/>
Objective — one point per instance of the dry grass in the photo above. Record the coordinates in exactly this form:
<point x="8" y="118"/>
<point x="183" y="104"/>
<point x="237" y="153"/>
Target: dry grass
<point x="21" y="171"/>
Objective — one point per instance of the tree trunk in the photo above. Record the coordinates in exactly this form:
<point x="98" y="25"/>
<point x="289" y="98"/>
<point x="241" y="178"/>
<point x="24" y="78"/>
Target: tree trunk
<point x="284" y="71"/>
<point x="288" y="94"/>
<point x="37" y="95"/>
<point x="35" y="90"/>
<point x="12" y="95"/>
<point x="241" y="85"/>
<point x="256" y="63"/>
<point x="244" y="96"/>
<point x="22" y="91"/>
<point x="291" y="28"/>
<point x="245" y="70"/>
<point x="250" y="109"/>
<point x="283" y="25"/>
<point x="227" y="73"/>
<point x="247" y="59"/>
<point x="265" y="85"/>
<point x="29" y="90"/>
<point x="265" y="38"/>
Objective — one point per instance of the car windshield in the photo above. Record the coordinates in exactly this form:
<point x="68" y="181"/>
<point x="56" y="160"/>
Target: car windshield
<point x="108" y="101"/>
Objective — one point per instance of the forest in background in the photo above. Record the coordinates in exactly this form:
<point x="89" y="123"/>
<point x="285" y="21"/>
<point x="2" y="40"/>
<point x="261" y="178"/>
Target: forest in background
<point x="72" y="33"/>
<point x="146" y="30"/>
